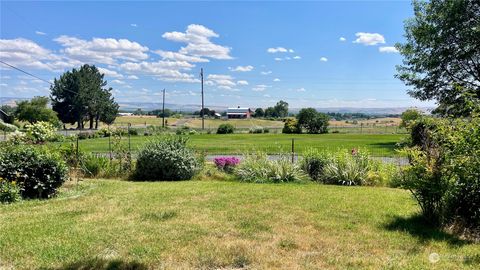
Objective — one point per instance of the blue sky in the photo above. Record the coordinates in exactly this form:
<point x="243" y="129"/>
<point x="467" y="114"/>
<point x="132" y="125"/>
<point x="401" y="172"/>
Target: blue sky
<point x="320" y="54"/>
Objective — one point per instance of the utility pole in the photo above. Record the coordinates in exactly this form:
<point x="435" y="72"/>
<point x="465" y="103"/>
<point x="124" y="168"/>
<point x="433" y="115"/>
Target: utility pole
<point x="163" y="109"/>
<point x="202" y="112"/>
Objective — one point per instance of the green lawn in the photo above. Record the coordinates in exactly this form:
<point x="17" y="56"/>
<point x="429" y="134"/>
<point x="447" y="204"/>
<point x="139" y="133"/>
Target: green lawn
<point x="377" y="144"/>
<point x="109" y="224"/>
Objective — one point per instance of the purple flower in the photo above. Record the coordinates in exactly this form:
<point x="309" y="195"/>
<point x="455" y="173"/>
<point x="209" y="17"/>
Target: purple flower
<point x="226" y="163"/>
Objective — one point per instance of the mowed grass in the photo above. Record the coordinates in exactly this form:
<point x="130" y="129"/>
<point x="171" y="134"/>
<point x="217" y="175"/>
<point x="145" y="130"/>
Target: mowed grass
<point x="377" y="144"/>
<point x="109" y="224"/>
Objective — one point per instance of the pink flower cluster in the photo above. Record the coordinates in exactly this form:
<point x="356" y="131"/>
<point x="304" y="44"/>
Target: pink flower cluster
<point x="226" y="163"/>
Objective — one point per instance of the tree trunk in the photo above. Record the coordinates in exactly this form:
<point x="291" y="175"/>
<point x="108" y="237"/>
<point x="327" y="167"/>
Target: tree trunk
<point x="91" y="121"/>
<point x="96" y="121"/>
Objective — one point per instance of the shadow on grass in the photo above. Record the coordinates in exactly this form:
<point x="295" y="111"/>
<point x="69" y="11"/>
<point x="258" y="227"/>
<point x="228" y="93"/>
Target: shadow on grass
<point x="418" y="227"/>
<point x="386" y="145"/>
<point x="101" y="264"/>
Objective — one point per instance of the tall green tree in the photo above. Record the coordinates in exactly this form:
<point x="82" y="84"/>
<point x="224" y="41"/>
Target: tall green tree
<point x="35" y="110"/>
<point x="441" y="55"/>
<point x="311" y="120"/>
<point x="259" y="112"/>
<point x="81" y="95"/>
<point x="281" y="109"/>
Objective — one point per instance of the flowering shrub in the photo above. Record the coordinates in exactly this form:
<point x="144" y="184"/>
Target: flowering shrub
<point x="41" y="132"/>
<point x="9" y="191"/>
<point x="226" y="164"/>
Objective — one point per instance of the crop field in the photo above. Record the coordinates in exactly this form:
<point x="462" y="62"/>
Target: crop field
<point x="110" y="224"/>
<point x="376" y="144"/>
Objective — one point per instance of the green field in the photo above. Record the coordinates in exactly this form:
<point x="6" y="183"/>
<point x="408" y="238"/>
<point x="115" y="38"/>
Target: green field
<point x="377" y="144"/>
<point x="110" y="224"/>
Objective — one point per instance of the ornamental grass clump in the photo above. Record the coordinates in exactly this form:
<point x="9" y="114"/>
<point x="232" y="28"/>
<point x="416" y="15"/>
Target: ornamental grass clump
<point x="257" y="168"/>
<point x="226" y="164"/>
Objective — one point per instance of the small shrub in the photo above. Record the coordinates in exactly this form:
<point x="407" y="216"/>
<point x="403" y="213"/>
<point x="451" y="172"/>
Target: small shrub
<point x="314" y="162"/>
<point x="258" y="168"/>
<point x="167" y="158"/>
<point x="291" y="126"/>
<point x="266" y="130"/>
<point x="83" y="135"/>
<point x="226" y="164"/>
<point x="225" y="129"/>
<point x="37" y="171"/>
<point x="9" y="191"/>
<point x="133" y="131"/>
<point x="92" y="166"/>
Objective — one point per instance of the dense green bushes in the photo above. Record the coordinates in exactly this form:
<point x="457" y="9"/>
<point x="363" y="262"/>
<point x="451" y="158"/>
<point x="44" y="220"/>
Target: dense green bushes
<point x="167" y="158"/>
<point x="257" y="168"/>
<point x="225" y="129"/>
<point x="444" y="170"/>
<point x="37" y="172"/>
<point x="291" y="126"/>
<point x="7" y="127"/>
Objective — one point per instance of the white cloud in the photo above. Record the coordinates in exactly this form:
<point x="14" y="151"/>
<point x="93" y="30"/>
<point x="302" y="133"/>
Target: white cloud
<point x="260" y="87"/>
<point x="276" y="80"/>
<point x="40" y="33"/>
<point x="279" y="50"/>
<point x="242" y="68"/>
<point x="387" y="49"/>
<point x="26" y="53"/>
<point x="266" y="72"/>
<point x="323" y="59"/>
<point x="180" y="57"/>
<point x="110" y="73"/>
<point x="132" y="77"/>
<point x="301" y="89"/>
<point x="118" y="82"/>
<point x="369" y="39"/>
<point x="102" y="50"/>
<point x="170" y="71"/>
<point x="278" y="59"/>
<point x="242" y="82"/>
<point x="133" y="25"/>
<point x="221" y="81"/>
<point x="197" y="37"/>
<point x="297" y="57"/>
<point x="342" y="39"/>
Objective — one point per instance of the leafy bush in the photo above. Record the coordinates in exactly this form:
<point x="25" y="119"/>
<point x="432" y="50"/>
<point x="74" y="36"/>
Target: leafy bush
<point x="444" y="171"/>
<point x="291" y="126"/>
<point x="314" y="162"/>
<point x="133" y="131"/>
<point x="225" y="129"/>
<point x="183" y="130"/>
<point x="266" y="130"/>
<point x="9" y="191"/>
<point x="7" y="127"/>
<point x="226" y="164"/>
<point x="167" y="158"/>
<point x="93" y="166"/>
<point x="41" y="132"/>
<point x="258" y="168"/>
<point x="37" y="171"/>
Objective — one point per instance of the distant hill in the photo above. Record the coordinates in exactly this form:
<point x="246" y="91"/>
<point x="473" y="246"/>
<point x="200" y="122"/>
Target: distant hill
<point x="149" y="106"/>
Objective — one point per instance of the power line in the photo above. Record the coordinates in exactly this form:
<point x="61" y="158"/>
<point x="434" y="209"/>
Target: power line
<point x="26" y="72"/>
